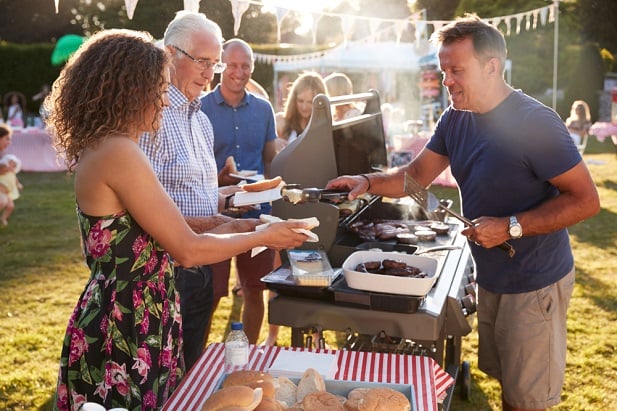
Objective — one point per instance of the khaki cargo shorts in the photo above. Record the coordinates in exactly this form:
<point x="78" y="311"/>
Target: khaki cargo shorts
<point x="522" y="342"/>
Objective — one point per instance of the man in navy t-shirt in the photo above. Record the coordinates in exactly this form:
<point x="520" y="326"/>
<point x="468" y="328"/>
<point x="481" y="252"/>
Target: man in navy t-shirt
<point x="521" y="180"/>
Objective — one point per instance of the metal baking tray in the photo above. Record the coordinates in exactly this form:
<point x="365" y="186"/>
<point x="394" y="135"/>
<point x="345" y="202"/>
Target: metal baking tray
<point x="282" y="281"/>
<point x="345" y="295"/>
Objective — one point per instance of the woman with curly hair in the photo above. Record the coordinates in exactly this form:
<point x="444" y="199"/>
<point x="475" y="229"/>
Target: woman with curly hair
<point x="123" y="345"/>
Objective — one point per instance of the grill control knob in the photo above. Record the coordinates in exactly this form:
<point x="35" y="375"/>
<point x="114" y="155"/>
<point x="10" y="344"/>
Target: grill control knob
<point x="470" y="289"/>
<point x="469" y="304"/>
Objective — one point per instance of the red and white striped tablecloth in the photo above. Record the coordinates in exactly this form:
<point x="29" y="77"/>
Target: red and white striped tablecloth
<point x="429" y="380"/>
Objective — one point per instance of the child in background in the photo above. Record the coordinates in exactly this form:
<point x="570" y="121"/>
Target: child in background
<point x="10" y="186"/>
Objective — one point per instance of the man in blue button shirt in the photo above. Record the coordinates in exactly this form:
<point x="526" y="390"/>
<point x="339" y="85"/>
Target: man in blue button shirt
<point x="244" y="128"/>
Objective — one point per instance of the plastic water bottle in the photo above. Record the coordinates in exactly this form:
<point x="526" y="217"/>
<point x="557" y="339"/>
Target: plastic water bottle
<point x="236" y="349"/>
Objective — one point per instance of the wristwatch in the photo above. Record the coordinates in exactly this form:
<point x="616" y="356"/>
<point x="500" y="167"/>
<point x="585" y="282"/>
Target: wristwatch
<point x="515" y="229"/>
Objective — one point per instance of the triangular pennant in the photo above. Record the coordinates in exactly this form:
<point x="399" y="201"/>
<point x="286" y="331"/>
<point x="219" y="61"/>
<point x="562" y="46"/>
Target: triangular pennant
<point x="191" y="5"/>
<point x="543" y="14"/>
<point x="130" y="8"/>
<point x="281" y="12"/>
<point x="238" y="8"/>
<point x="519" y="18"/>
<point x="399" y="27"/>
<point x="316" y="17"/>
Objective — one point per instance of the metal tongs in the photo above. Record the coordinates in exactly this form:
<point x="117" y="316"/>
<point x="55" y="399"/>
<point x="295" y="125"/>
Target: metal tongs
<point x="429" y="202"/>
<point x="294" y="194"/>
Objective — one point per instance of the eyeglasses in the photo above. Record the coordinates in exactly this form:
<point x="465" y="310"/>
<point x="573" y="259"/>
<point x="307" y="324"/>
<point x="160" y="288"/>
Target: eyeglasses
<point x="204" y="64"/>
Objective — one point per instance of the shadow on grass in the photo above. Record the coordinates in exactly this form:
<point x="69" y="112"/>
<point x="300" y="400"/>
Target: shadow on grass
<point x="601" y="293"/>
<point x="608" y="184"/>
<point x="594" y="230"/>
<point x="477" y="401"/>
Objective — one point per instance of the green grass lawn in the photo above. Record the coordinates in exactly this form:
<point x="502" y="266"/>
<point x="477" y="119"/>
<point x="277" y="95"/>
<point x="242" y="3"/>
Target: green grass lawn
<point x="42" y="274"/>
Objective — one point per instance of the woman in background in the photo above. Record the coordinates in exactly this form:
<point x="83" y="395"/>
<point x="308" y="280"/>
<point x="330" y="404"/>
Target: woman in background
<point x="299" y="106"/>
<point x="339" y="84"/>
<point x="579" y="122"/>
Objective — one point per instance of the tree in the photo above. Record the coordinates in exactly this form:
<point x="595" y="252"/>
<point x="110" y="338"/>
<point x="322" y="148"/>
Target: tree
<point x="35" y="21"/>
<point x="598" y="18"/>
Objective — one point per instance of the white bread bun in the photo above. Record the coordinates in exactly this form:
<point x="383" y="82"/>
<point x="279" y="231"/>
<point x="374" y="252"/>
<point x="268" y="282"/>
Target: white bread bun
<point x="237" y="398"/>
<point x="252" y="379"/>
<point x="311" y="381"/>
<point x="270" y="404"/>
<point x="287" y="391"/>
<point x="311" y="222"/>
<point x="322" y="401"/>
<point x="376" y="399"/>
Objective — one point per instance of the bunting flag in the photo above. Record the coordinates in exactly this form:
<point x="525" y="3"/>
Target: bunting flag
<point x="130" y="8"/>
<point x="191" y="5"/>
<point x="238" y="8"/>
<point x="281" y="12"/>
<point x="316" y="18"/>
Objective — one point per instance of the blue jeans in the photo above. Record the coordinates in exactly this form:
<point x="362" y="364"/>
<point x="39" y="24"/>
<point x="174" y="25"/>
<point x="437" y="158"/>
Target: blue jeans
<point x="196" y="304"/>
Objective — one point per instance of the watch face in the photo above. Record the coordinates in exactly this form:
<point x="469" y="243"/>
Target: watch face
<point x="515" y="231"/>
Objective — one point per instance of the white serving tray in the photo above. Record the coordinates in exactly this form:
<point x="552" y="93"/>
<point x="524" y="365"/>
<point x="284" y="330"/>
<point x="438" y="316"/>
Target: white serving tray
<point x="387" y="283"/>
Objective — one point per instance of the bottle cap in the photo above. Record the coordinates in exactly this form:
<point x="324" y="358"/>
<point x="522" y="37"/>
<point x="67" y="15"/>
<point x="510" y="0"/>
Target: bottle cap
<point x="236" y="325"/>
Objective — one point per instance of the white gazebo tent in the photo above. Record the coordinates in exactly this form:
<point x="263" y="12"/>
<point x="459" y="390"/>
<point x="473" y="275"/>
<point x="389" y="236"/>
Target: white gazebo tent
<point x="381" y="64"/>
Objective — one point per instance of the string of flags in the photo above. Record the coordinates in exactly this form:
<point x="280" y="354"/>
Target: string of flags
<point x="528" y="20"/>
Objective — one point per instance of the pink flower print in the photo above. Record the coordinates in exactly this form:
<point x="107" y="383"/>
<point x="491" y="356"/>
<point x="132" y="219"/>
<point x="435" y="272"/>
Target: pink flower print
<point x="77" y="399"/>
<point x="151" y="263"/>
<point x="166" y="357"/>
<point x="149" y="401"/>
<point x="118" y="377"/>
<point x="104" y="325"/>
<point x="88" y="294"/>
<point x="139" y="245"/>
<point x="102" y="388"/>
<point x="165" y="314"/>
<point x="116" y="313"/>
<point x="145" y="323"/>
<point x="98" y="240"/>
<point x="138" y="298"/>
<point x="143" y="363"/>
<point x="79" y="345"/>
<point x="62" y="400"/>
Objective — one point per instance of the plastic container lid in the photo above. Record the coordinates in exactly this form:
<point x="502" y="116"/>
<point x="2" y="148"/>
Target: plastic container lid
<point x="236" y="325"/>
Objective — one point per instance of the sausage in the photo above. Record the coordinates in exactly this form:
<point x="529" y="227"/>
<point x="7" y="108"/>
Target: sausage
<point x="393" y="264"/>
<point x="263" y="185"/>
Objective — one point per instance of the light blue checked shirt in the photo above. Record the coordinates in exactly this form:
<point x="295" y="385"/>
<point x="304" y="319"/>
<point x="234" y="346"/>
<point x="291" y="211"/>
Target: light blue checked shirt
<point x="182" y="156"/>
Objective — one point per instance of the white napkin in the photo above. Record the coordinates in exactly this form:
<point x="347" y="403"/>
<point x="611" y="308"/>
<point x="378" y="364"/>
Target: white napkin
<point x="294" y="364"/>
<point x="312" y="237"/>
<point x="243" y="198"/>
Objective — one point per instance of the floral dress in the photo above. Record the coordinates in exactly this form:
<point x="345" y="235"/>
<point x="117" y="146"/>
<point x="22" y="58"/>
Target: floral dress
<point x="123" y="344"/>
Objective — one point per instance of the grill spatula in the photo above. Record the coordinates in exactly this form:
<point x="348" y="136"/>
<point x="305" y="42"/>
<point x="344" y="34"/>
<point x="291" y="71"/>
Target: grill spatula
<point x="428" y="202"/>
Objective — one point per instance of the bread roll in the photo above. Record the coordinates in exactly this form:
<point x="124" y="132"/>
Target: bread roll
<point x="238" y="398"/>
<point x="322" y="401"/>
<point x="270" y="404"/>
<point x="263" y="185"/>
<point x="311" y="381"/>
<point x="376" y="399"/>
<point x="287" y="391"/>
<point x="252" y="379"/>
<point x="311" y="221"/>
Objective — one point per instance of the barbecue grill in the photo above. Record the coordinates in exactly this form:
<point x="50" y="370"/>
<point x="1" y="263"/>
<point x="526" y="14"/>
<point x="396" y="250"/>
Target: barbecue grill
<point x="431" y="325"/>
